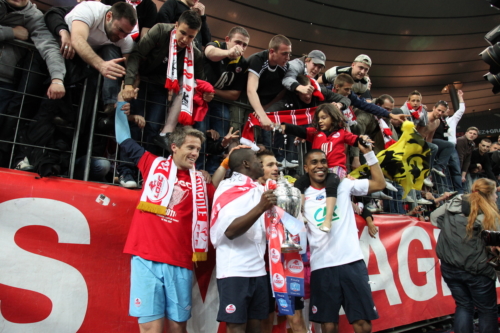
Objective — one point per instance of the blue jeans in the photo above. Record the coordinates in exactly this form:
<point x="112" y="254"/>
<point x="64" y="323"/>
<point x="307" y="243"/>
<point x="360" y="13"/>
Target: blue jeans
<point x="434" y="150"/>
<point x="217" y="118"/>
<point x="110" y="88"/>
<point x="395" y="206"/>
<point x="455" y="172"/>
<point x="99" y="168"/>
<point x="472" y="291"/>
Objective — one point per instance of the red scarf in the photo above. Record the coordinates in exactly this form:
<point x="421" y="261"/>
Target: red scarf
<point x="296" y="117"/>
<point x="414" y="113"/>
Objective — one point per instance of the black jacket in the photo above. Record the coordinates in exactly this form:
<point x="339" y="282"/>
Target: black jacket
<point x="454" y="246"/>
<point x="170" y="12"/>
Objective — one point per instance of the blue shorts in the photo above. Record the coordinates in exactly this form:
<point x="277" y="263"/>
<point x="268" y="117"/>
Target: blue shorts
<point x="159" y="290"/>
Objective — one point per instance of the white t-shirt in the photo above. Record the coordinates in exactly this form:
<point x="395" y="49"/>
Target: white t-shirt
<point x="341" y="245"/>
<point x="93" y="13"/>
<point x="244" y="255"/>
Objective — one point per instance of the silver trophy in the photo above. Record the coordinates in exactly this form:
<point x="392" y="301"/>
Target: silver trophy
<point x="290" y="200"/>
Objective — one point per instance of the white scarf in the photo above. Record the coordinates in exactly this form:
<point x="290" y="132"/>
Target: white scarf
<point x="386" y="133"/>
<point x="188" y="81"/>
<point x="157" y="193"/>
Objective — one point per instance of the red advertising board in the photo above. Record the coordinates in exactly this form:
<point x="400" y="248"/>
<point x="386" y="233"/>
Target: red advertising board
<point x="62" y="268"/>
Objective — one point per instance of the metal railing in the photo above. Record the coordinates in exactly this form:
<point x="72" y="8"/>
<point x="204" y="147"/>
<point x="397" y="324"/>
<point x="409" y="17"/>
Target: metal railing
<point x="238" y="115"/>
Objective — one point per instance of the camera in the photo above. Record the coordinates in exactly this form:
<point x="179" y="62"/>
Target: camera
<point x="490" y="238"/>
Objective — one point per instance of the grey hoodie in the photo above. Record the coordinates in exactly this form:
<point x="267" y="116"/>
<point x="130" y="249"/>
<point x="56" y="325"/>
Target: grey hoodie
<point x="31" y="19"/>
<point x="454" y="246"/>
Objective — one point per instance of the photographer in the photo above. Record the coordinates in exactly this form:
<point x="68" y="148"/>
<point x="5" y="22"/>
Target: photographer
<point x="464" y="257"/>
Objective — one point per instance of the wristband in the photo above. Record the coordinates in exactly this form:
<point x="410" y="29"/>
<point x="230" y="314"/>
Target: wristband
<point x="225" y="163"/>
<point x="370" y="158"/>
<point x="57" y="82"/>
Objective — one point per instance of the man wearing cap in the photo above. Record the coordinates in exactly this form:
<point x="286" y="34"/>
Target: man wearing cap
<point x="357" y="70"/>
<point x="310" y="65"/>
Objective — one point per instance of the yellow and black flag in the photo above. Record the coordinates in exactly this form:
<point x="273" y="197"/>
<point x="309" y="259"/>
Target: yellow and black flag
<point x="405" y="162"/>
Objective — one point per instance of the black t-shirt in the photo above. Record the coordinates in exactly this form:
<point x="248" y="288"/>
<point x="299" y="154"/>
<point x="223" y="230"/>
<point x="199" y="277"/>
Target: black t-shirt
<point x="146" y="12"/>
<point x="226" y="74"/>
<point x="270" y="78"/>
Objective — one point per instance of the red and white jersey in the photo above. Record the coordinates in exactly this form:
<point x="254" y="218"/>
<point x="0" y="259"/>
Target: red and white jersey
<point x="332" y="145"/>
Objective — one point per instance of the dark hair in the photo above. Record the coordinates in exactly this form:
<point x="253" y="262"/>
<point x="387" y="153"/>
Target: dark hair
<point x="312" y="151"/>
<point x="265" y="152"/>
<point x="381" y="99"/>
<point x="124" y="10"/>
<point x="443" y="103"/>
<point x="277" y="40"/>
<point x="191" y="18"/>
<point x="486" y="140"/>
<point x="338" y="120"/>
<point x="303" y="80"/>
<point x="342" y="79"/>
<point x="414" y="92"/>
<point x="238" y="30"/>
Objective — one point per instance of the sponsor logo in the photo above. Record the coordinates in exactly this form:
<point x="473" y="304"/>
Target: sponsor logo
<point x="230" y="308"/>
<point x="275" y="256"/>
<point x="314" y="309"/>
<point x="320" y="197"/>
<point x="278" y="280"/>
<point x="294" y="286"/>
<point x="295" y="266"/>
<point x="282" y="303"/>
<point x="137" y="302"/>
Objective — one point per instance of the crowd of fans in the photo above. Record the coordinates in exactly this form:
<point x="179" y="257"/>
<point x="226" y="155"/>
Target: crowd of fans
<point x="130" y="43"/>
<point x="165" y="74"/>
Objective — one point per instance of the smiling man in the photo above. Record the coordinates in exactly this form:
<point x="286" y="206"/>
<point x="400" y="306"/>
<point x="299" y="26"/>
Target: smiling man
<point x="169" y="228"/>
<point x="339" y="276"/>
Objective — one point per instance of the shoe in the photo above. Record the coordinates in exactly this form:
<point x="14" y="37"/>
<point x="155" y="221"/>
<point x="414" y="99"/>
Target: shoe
<point x="109" y="109"/>
<point x="428" y="182"/>
<point x="324" y="229"/>
<point x="163" y="142"/>
<point x="127" y="181"/>
<point x="422" y="201"/>
<point x="389" y="186"/>
<point x="24" y="165"/>
<point x="288" y="165"/>
<point x="373" y="209"/>
<point x="106" y="124"/>
<point x="408" y="200"/>
<point x="439" y="172"/>
<point x="380" y="195"/>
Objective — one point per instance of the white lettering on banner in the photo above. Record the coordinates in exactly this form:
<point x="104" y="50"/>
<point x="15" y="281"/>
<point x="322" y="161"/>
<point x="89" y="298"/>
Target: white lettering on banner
<point x="429" y="290"/>
<point x="385" y="280"/>
<point x="444" y="286"/>
<point x="60" y="282"/>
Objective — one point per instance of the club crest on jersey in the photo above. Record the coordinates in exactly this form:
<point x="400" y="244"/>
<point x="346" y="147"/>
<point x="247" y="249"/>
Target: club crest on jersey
<point x="238" y="69"/>
<point x="137" y="302"/>
<point x="230" y="308"/>
<point x="320" y="197"/>
<point x="314" y="309"/>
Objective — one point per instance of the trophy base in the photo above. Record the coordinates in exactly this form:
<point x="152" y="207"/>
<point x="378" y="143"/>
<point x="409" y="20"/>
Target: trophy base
<point x="290" y="247"/>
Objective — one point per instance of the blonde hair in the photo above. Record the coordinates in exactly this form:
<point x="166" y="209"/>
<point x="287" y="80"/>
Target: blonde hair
<point x="481" y="202"/>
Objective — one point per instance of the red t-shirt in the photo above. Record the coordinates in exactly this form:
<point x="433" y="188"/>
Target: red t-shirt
<point x="332" y="145"/>
<point x="166" y="239"/>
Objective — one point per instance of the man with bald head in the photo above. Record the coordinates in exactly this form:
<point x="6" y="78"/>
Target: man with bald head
<point x="238" y="235"/>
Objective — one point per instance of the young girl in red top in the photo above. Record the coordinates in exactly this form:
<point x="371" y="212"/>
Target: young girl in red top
<point x="329" y="135"/>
